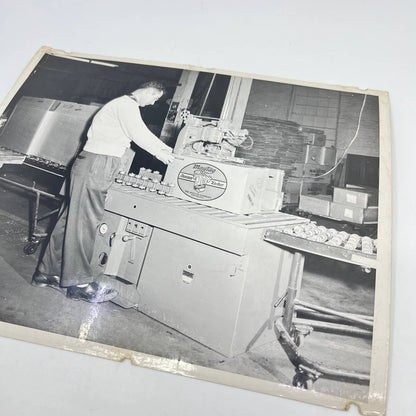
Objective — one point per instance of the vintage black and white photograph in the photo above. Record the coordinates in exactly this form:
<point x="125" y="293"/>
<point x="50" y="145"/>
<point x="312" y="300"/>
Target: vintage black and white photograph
<point x="231" y="223"/>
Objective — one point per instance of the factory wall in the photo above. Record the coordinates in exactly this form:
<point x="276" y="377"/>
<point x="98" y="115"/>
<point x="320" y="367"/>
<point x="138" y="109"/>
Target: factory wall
<point x="317" y="108"/>
<point x="269" y="99"/>
<point x="334" y="112"/>
<point x="367" y="143"/>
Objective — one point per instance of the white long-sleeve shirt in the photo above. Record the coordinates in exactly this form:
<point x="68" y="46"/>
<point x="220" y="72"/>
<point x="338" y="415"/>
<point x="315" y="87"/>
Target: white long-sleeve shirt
<point x="117" y="124"/>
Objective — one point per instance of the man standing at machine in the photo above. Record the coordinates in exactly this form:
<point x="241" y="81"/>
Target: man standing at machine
<point x="67" y="258"/>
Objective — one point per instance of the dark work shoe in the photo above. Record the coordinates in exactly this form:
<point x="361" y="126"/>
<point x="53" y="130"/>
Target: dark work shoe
<point x="93" y="293"/>
<point x="41" y="280"/>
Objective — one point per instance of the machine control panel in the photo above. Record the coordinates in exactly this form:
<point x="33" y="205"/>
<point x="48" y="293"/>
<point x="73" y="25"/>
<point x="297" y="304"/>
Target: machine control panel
<point x="138" y="228"/>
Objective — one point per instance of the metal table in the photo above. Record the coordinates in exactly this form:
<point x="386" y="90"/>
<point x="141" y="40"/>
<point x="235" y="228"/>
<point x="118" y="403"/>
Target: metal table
<point x="291" y="331"/>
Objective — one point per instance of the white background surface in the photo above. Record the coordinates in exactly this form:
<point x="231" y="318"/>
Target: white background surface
<point x="368" y="44"/>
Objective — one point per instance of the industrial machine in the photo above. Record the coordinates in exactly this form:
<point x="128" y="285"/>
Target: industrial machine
<point x="217" y="139"/>
<point x="206" y="272"/>
<point x="198" y="251"/>
<point x="188" y="250"/>
<point x="206" y="170"/>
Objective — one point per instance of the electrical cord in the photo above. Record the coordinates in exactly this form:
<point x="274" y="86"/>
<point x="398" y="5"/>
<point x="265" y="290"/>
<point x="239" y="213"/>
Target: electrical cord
<point x="231" y="140"/>
<point x="236" y="143"/>
<point x="346" y="149"/>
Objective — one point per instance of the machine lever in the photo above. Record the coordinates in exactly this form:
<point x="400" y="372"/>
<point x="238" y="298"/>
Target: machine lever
<point x="112" y="236"/>
<point x="131" y="238"/>
<point x="132" y="250"/>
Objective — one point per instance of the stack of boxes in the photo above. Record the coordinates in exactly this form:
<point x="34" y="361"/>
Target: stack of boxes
<point x="303" y="179"/>
<point x="298" y="150"/>
<point x="351" y="204"/>
<point x="354" y="204"/>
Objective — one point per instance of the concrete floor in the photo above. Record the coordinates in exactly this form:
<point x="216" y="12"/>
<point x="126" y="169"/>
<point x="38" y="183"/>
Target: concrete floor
<point x="326" y="283"/>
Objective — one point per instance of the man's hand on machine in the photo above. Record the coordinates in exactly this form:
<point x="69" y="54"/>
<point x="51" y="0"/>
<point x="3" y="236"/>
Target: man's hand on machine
<point x="165" y="155"/>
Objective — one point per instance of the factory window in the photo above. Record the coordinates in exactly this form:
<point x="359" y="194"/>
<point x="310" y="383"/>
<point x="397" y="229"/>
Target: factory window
<point x="209" y="94"/>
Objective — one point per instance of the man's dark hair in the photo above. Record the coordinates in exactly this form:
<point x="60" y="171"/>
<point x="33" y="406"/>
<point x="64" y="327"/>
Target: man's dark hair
<point x="153" y="84"/>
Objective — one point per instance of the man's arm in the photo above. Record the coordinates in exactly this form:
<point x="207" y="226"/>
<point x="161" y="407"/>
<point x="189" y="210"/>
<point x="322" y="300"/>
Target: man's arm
<point x="136" y="130"/>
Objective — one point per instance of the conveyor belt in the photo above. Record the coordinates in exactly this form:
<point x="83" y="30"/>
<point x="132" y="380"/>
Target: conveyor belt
<point x="321" y="249"/>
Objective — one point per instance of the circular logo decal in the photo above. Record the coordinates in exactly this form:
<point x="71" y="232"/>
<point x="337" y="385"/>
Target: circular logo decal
<point x="202" y="181"/>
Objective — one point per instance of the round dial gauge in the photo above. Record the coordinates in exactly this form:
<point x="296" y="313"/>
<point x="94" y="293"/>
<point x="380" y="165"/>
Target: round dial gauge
<point x="103" y="228"/>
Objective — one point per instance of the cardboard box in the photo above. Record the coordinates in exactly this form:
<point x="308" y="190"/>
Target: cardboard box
<point x="354" y="214"/>
<point x="272" y="199"/>
<point x="359" y="197"/>
<point x="317" y="204"/>
<point x="235" y="188"/>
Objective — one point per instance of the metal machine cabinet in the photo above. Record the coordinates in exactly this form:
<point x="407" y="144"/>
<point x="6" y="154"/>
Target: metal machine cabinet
<point x="192" y="287"/>
<point x="206" y="273"/>
<point x="221" y="299"/>
<point x="104" y="239"/>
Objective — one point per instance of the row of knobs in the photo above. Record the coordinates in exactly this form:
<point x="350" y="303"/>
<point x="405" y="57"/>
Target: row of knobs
<point x="149" y="181"/>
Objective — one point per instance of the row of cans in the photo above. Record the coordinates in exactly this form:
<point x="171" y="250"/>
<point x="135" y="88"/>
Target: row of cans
<point x="149" y="181"/>
<point x="332" y="237"/>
